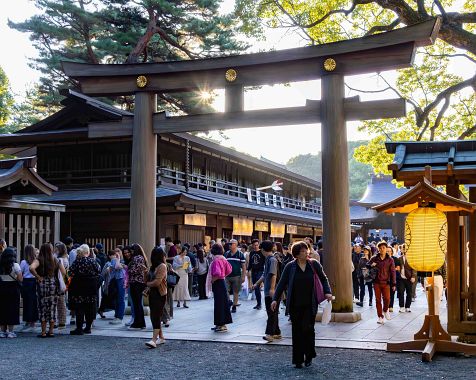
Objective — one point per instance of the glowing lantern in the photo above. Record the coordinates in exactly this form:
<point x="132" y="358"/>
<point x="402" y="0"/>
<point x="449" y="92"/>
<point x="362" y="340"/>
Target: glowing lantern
<point x="426" y="234"/>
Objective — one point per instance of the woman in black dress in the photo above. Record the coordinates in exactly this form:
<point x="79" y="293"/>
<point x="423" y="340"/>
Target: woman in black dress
<point x="298" y="279"/>
<point x="82" y="291"/>
<point x="10" y="275"/>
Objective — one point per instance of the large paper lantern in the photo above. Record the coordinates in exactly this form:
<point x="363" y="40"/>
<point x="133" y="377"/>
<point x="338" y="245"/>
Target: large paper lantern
<point x="426" y="234"/>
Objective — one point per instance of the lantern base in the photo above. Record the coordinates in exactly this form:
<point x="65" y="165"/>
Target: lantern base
<point x="432" y="338"/>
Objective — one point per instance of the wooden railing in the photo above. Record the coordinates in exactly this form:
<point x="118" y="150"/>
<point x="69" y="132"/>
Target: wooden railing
<point x="219" y="186"/>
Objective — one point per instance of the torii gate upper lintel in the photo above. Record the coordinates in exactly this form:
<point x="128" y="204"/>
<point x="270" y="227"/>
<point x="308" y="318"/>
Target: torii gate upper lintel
<point x="329" y="62"/>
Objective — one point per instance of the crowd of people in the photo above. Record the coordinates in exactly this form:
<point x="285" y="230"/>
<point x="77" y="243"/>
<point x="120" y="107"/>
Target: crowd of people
<point x="381" y="268"/>
<point x="87" y="282"/>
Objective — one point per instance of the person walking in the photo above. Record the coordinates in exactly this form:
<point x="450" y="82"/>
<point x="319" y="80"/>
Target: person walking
<point x="269" y="278"/>
<point x="363" y="274"/>
<point x="219" y="269"/>
<point x="138" y="269"/>
<point x="82" y="292"/>
<point x="385" y="279"/>
<point x="408" y="277"/>
<point x="157" y="286"/>
<point x="202" y="271"/>
<point x="182" y="266"/>
<point x="45" y="269"/>
<point x="116" y="284"/>
<point x="238" y="274"/>
<point x="298" y="278"/>
<point x="28" y="290"/>
<point x="256" y="266"/>
<point x="356" y="254"/>
<point x="10" y="280"/>
<point x="392" y="253"/>
<point x="61" y="253"/>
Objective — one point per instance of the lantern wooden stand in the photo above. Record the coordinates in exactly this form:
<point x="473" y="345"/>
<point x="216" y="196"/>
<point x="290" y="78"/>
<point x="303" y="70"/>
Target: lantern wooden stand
<point x="432" y="337"/>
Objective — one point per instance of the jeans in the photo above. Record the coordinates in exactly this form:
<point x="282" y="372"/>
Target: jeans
<point x="362" y="285"/>
<point x="405" y="285"/>
<point x="272" y="324"/>
<point x="382" y="291"/>
<point x="355" y="284"/>
<point x="255" y="276"/>
<point x="120" y="303"/>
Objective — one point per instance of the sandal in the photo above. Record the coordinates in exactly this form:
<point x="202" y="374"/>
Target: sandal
<point x="41" y="335"/>
<point x="50" y="335"/>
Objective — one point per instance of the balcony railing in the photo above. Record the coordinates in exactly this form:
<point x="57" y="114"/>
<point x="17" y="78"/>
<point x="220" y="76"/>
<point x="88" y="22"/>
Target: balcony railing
<point x="231" y="189"/>
<point x="122" y="177"/>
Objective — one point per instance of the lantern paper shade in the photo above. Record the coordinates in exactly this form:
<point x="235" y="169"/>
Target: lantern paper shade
<point x="426" y="234"/>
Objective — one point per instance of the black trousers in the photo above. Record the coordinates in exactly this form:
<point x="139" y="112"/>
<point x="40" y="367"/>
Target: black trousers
<point x="393" y="292"/>
<point x="303" y="334"/>
<point x="85" y="311"/>
<point x="355" y="284"/>
<point x="362" y="285"/>
<point x="157" y="304"/>
<point x="272" y="324"/>
<point x="136" y="294"/>
<point x="405" y="285"/>
<point x="202" y="279"/>
<point x="221" y="303"/>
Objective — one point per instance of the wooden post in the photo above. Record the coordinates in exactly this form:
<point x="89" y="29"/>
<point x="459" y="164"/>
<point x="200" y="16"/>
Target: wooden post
<point x="143" y="173"/>
<point x="2" y="226"/>
<point x="335" y="192"/>
<point x="472" y="254"/>
<point x="56" y="226"/>
<point x="453" y="264"/>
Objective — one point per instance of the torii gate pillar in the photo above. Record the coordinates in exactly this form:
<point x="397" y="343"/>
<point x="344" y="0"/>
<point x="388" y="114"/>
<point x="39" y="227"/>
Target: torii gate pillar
<point x="335" y="192"/>
<point x="144" y="173"/>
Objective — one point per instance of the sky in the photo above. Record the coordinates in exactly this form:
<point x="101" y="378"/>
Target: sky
<point x="275" y="143"/>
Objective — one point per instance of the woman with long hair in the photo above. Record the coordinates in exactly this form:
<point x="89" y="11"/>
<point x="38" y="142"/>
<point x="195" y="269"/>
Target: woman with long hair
<point x="10" y="276"/>
<point x="61" y="253"/>
<point x="138" y="268"/>
<point x="28" y="290"/>
<point x="45" y="269"/>
<point x="364" y="277"/>
<point x="298" y="278"/>
<point x="182" y="265"/>
<point x="82" y="292"/>
<point x="219" y="269"/>
<point x="202" y="272"/>
<point x="157" y="283"/>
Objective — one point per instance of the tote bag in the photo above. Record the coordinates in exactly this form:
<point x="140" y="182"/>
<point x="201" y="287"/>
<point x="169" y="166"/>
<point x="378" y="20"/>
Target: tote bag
<point x="318" y="288"/>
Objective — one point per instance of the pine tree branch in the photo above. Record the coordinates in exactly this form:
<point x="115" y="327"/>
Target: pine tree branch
<point x="448" y="55"/>
<point x="461" y="18"/>
<point x="440" y="8"/>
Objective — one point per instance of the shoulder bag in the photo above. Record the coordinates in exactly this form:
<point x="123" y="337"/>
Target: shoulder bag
<point x="318" y="288"/>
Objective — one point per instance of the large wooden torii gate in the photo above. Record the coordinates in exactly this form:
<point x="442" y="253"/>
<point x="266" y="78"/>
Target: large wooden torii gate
<point x="329" y="62"/>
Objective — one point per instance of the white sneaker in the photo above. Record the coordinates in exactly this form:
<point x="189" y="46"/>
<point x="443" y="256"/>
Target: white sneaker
<point x="390" y="309"/>
<point x="402" y="310"/>
<point x="151" y="344"/>
<point x="408" y="310"/>
<point x="11" y="335"/>
<point x="161" y="341"/>
<point x="3" y="334"/>
<point x="116" y="321"/>
<point x="387" y="315"/>
<point x="380" y="321"/>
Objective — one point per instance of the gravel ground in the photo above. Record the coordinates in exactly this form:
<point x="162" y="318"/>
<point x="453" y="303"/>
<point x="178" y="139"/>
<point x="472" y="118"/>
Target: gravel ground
<point x="94" y="357"/>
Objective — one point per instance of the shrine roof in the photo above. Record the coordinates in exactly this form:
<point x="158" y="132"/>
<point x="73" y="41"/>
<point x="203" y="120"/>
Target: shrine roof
<point x="449" y="160"/>
<point x="380" y="190"/>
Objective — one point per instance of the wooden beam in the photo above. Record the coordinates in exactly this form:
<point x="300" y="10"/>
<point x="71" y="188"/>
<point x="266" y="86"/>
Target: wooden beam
<point x="380" y="52"/>
<point x="111" y="128"/>
<point x="310" y="114"/>
<point x="234" y="98"/>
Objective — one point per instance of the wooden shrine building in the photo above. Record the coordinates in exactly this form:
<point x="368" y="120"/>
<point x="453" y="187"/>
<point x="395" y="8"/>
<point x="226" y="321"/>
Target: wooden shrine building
<point x="452" y="164"/>
<point x="202" y="188"/>
<point x="25" y="222"/>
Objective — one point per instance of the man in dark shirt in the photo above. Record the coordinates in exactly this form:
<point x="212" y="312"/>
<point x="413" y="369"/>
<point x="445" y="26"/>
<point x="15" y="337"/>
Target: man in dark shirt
<point x="356" y="254"/>
<point x="237" y="276"/>
<point x="256" y="266"/>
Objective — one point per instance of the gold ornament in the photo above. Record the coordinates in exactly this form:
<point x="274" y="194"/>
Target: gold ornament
<point x="141" y="81"/>
<point x="231" y="75"/>
<point x="330" y="64"/>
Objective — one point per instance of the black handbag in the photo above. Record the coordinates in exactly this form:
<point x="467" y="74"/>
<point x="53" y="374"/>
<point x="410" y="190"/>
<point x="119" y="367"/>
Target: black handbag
<point x="172" y="279"/>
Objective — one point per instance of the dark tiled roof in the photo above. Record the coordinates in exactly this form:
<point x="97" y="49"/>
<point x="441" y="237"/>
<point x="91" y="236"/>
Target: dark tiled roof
<point x="380" y="190"/>
<point x="360" y="214"/>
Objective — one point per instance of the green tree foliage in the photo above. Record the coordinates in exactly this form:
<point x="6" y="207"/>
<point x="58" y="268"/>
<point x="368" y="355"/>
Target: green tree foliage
<point x="127" y="31"/>
<point x="309" y="165"/>
<point x="6" y="101"/>
<point x="442" y="105"/>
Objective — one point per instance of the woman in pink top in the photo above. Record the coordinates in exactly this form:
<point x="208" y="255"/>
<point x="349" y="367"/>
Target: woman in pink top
<point x="219" y="269"/>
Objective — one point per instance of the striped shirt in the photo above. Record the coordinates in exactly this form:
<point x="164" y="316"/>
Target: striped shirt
<point x="236" y="260"/>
